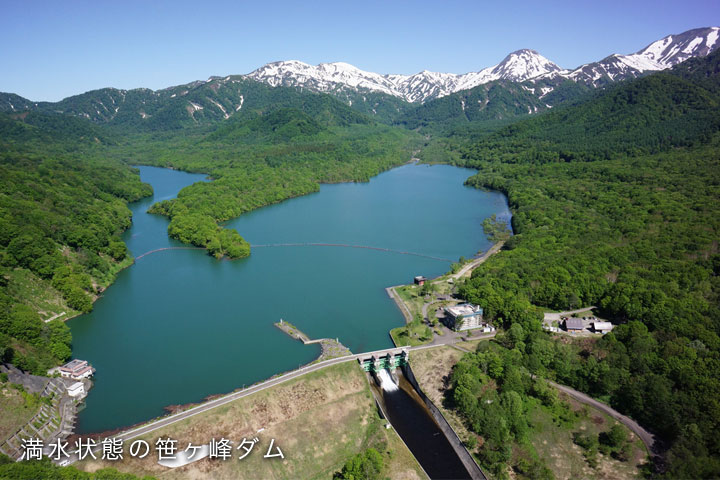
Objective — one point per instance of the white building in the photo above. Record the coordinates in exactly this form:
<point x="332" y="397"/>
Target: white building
<point x="602" y="327"/>
<point x="76" y="369"/>
<point x="77" y="389"/>
<point x="464" y="317"/>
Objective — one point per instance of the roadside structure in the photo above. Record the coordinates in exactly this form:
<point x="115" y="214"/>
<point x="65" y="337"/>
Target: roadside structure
<point x="76" y="369"/>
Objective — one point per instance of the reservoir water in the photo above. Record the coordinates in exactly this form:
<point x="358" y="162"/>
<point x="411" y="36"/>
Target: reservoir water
<point x="179" y="325"/>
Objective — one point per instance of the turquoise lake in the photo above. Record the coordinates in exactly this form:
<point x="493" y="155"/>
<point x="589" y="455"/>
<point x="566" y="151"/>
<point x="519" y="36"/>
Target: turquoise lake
<point x="179" y="325"/>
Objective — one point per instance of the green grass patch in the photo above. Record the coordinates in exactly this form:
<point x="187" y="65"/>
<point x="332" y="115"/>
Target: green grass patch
<point x="554" y="441"/>
<point x="413" y="334"/>
<point x="16" y="409"/>
<point x="29" y="289"/>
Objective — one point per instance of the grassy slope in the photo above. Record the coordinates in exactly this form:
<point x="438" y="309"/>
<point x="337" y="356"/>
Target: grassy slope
<point x="31" y="290"/>
<point x="16" y="411"/>
<point x="555" y="444"/>
<point x="319" y="421"/>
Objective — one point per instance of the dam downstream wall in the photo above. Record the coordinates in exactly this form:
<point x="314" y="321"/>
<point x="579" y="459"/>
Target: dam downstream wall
<point x="465" y="457"/>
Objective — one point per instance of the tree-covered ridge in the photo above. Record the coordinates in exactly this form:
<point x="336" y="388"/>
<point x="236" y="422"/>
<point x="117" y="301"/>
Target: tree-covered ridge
<point x="615" y="204"/>
<point x="198" y="105"/>
<point x="265" y="161"/>
<point x="62" y="209"/>
<point x="60" y="132"/>
<point x="381" y="107"/>
<point x="647" y="115"/>
<point x="274" y="127"/>
<point x="489" y="102"/>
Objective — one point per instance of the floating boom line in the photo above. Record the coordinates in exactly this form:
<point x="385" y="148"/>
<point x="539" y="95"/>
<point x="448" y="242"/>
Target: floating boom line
<point x="343" y="245"/>
<point x="166" y="248"/>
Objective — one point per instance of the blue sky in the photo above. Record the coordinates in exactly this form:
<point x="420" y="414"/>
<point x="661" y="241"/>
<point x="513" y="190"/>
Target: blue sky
<point x="53" y="49"/>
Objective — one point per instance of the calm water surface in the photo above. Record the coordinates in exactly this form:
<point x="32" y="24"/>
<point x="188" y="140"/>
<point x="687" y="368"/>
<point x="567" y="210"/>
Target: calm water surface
<point x="180" y="325"/>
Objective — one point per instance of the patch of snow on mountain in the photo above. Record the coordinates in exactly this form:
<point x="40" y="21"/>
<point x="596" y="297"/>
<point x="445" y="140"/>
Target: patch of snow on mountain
<point x="711" y="39"/>
<point x="694" y="43"/>
<point x="217" y="104"/>
<point x="639" y="62"/>
<point x="545" y="90"/>
<point x="655" y="49"/>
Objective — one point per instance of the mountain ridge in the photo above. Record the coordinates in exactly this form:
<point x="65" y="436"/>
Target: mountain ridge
<point x="388" y="98"/>
<point x="518" y="66"/>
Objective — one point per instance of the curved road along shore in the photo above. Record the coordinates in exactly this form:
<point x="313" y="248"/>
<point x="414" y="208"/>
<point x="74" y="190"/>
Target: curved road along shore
<point x="470" y="266"/>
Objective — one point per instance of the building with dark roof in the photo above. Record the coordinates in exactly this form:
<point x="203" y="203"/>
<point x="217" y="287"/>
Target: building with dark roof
<point x="574" y="324"/>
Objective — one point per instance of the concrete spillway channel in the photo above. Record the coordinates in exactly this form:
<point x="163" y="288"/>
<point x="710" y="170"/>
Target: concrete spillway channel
<point x="426" y="433"/>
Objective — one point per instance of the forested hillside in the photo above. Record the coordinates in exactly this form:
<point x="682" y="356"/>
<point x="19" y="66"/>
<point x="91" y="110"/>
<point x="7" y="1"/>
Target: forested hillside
<point x="202" y="104"/>
<point x="495" y="101"/>
<point x="66" y="181"/>
<point x="615" y="204"/>
<point x="264" y="160"/>
<point x="62" y="208"/>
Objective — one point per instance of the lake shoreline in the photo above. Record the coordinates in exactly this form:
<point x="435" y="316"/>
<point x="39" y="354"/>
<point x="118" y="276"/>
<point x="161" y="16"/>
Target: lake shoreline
<point x="139" y="300"/>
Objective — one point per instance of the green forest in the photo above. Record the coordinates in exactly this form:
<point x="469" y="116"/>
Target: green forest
<point x="614" y="194"/>
<point x="66" y="183"/>
<point x="264" y="159"/>
<point x="62" y="209"/>
<point x="622" y="215"/>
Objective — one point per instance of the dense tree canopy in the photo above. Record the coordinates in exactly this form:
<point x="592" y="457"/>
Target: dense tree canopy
<point x="615" y="205"/>
<point x="265" y="160"/>
<point x="62" y="209"/>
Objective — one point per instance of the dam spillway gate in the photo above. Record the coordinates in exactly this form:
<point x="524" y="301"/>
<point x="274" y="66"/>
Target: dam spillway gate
<point x="389" y="359"/>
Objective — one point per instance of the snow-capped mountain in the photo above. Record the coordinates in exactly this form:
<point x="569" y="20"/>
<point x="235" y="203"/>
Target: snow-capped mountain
<point x="333" y="77"/>
<point x="664" y="53"/>
<point x="519" y="66"/>
<point x="325" y="77"/>
<point x="529" y="83"/>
